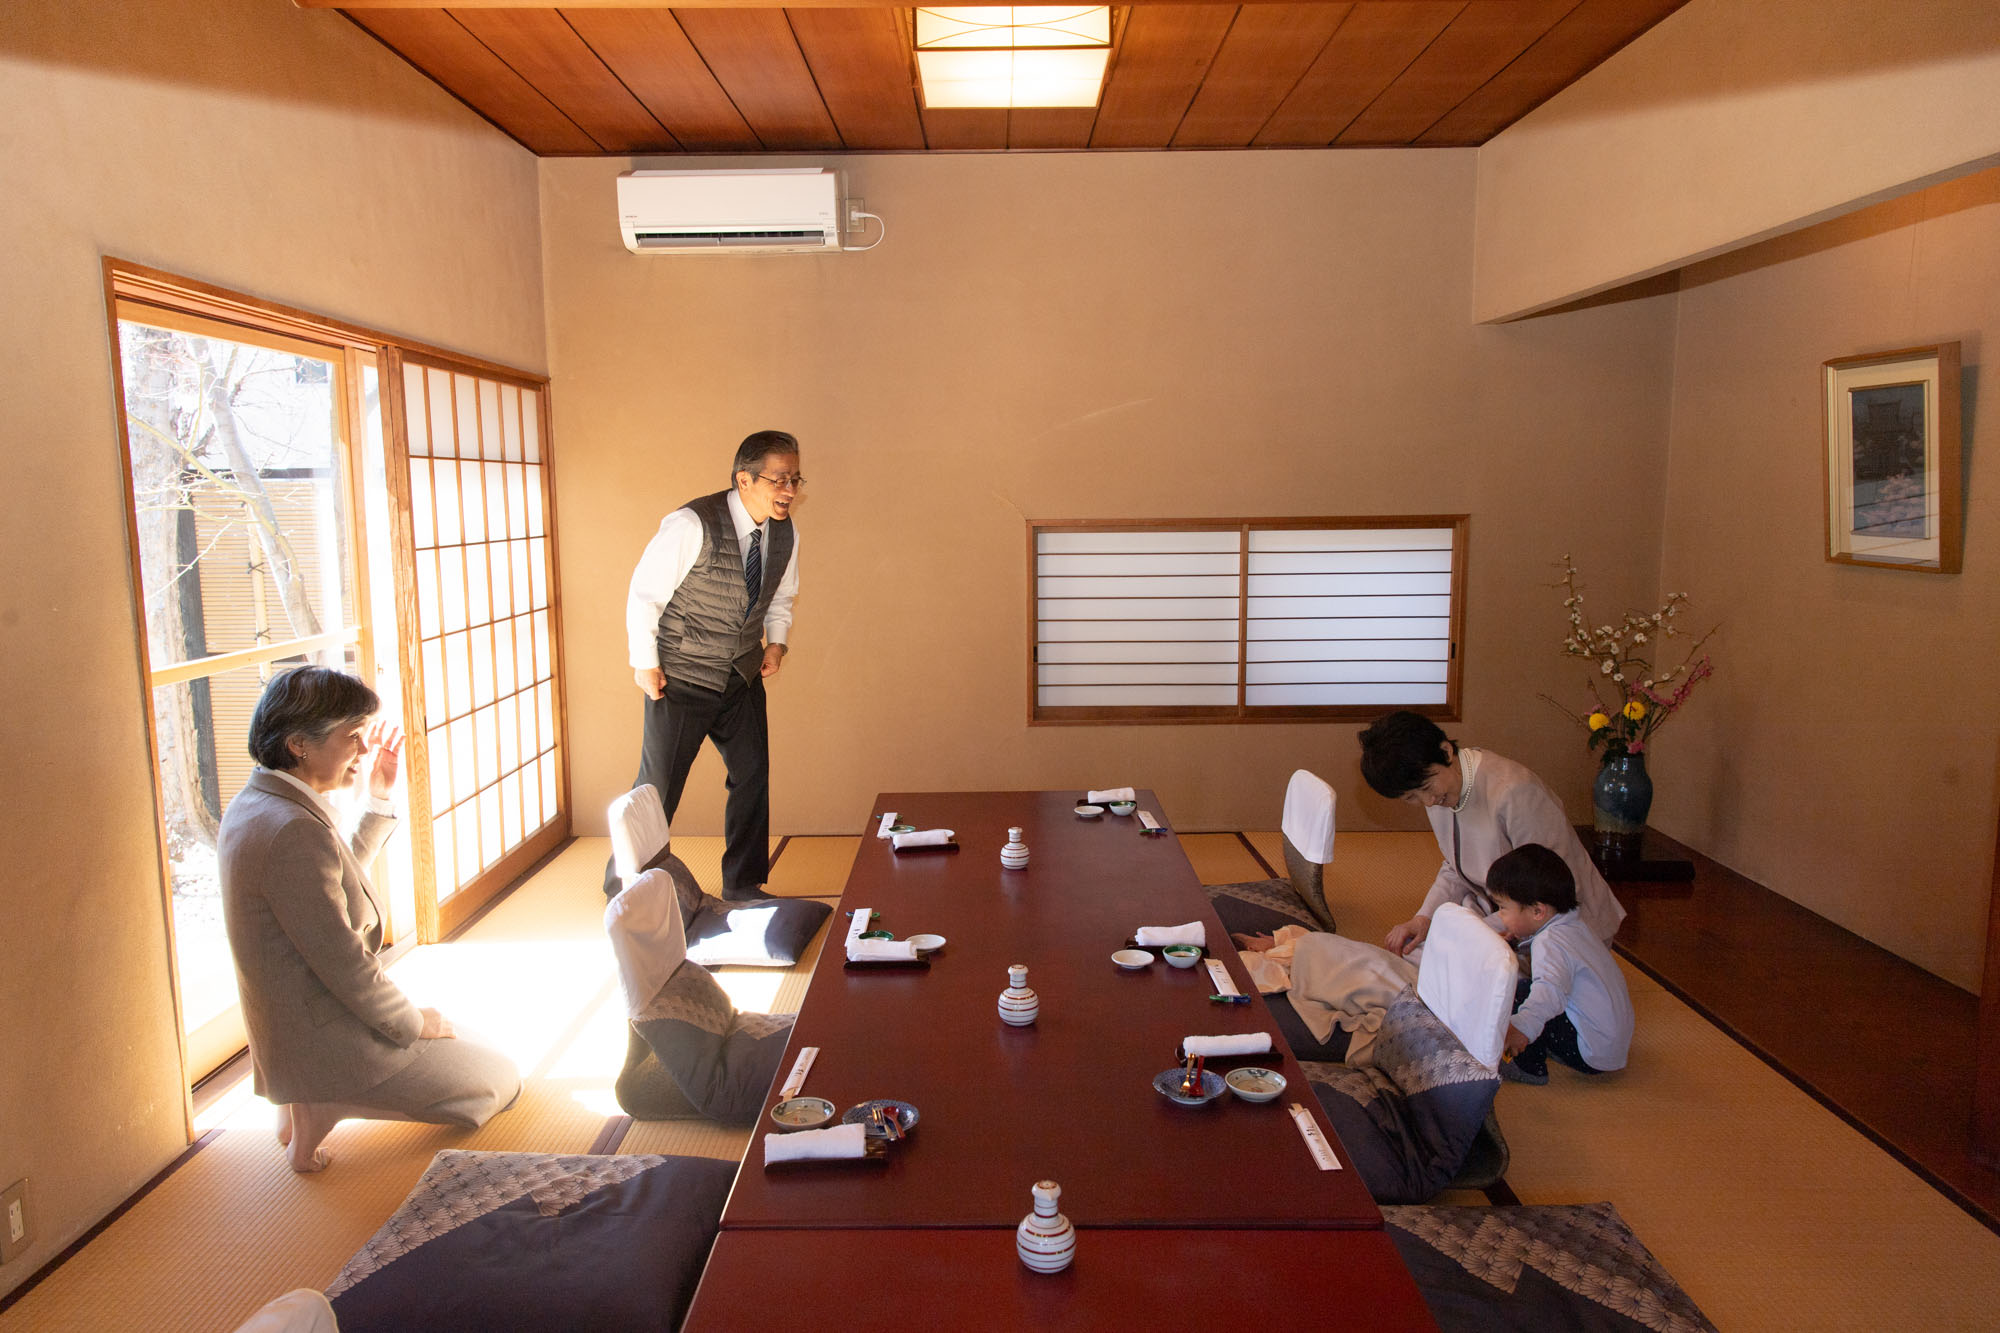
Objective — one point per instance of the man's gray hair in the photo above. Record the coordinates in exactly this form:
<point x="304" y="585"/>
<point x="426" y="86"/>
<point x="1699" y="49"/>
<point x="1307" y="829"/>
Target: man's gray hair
<point x="750" y="454"/>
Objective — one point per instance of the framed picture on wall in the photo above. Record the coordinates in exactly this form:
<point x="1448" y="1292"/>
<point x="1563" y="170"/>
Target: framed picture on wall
<point x="1892" y="466"/>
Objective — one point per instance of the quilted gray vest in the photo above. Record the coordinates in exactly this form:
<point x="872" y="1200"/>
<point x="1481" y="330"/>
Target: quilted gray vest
<point x="709" y="626"/>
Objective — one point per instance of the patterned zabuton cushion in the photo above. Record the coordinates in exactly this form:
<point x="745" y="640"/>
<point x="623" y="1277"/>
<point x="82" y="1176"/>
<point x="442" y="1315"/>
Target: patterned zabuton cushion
<point x="1260" y="907"/>
<point x="1570" y="1266"/>
<point x="1408" y="1120"/>
<point x="723" y="1062"/>
<point x="496" y="1241"/>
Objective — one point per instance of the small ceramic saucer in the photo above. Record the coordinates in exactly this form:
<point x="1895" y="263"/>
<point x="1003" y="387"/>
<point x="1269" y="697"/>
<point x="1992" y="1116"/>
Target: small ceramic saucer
<point x="864" y="1114"/>
<point x="1132" y="958"/>
<point x="1168" y="1084"/>
<point x="1089" y="811"/>
<point x="927" y="943"/>
<point x="802" y="1113"/>
<point x="1255" y="1085"/>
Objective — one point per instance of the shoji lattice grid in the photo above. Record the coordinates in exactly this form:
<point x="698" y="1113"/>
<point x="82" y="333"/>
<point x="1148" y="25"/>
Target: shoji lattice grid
<point x="1243" y="619"/>
<point x="482" y="561"/>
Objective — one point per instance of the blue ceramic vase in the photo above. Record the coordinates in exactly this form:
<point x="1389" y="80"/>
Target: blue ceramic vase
<point x="1620" y="800"/>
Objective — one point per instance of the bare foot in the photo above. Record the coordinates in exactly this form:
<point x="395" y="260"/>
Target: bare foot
<point x="311" y="1122"/>
<point x="285" y="1125"/>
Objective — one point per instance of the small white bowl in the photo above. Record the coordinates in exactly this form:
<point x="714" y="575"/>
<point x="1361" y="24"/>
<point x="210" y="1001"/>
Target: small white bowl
<point x="927" y="943"/>
<point x="1132" y="958"/>
<point x="1089" y="811"/>
<point x="1123" y="807"/>
<point x="1255" y="1085"/>
<point x="1182" y="955"/>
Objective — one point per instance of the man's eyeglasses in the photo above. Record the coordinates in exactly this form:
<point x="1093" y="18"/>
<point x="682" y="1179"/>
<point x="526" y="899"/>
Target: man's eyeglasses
<point x="784" y="480"/>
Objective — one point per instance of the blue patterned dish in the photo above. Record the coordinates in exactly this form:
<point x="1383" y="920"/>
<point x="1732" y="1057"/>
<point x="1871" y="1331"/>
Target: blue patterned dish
<point x="864" y="1114"/>
<point x="1168" y="1085"/>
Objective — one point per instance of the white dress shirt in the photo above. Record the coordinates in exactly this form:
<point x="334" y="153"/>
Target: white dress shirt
<point x="666" y="561"/>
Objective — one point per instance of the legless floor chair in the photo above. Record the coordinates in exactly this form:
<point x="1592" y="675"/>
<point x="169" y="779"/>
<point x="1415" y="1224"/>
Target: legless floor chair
<point x="1420" y="1118"/>
<point x="1261" y="906"/>
<point x="691" y="1053"/>
<point x="719" y="934"/>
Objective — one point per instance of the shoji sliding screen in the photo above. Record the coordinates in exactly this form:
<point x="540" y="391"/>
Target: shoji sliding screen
<point x="1255" y="620"/>
<point x="483" y="668"/>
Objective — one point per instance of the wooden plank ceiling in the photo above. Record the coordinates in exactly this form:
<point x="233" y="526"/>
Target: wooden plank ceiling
<point x="732" y="77"/>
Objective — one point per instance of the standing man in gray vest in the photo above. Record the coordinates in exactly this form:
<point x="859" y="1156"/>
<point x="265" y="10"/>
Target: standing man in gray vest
<point x="706" y="619"/>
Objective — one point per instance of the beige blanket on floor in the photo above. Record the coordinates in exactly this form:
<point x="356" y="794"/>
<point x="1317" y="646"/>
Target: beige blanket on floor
<point x="1334" y="982"/>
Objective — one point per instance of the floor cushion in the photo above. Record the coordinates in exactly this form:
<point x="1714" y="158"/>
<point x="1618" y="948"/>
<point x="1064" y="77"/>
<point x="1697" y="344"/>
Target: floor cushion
<point x="489" y="1242"/>
<point x="774" y="933"/>
<point x="1568" y="1266"/>
<point x="1410" y="1119"/>
<point x="722" y="1061"/>
<point x="1260" y="907"/>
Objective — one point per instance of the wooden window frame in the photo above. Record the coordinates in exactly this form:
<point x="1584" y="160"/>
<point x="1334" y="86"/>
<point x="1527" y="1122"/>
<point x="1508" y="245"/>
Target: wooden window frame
<point x="1040" y="715"/>
<point x="211" y="310"/>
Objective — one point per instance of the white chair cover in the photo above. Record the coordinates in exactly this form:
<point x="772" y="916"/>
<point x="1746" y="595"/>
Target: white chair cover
<point x="301" y="1311"/>
<point x="1308" y="820"/>
<point x="647" y="937"/>
<point x="1466" y="976"/>
<point x="638" y="830"/>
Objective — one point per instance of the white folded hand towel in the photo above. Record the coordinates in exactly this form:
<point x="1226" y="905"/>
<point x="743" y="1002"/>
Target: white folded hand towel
<point x="930" y="837"/>
<point x="1241" y="1043"/>
<point x="1153" y="937"/>
<point x="1110" y="794"/>
<point x="812" y="1145"/>
<point x="881" y="951"/>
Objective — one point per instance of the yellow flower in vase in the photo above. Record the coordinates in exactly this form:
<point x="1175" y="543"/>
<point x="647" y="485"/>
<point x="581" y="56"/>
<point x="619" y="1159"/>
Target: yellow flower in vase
<point x="1599" y="721"/>
<point x="1635" y="710"/>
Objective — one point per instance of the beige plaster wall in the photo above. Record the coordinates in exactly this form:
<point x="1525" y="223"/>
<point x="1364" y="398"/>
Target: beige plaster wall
<point x="1730" y="122"/>
<point x="1844" y="753"/>
<point x="1070" y="336"/>
<point x="251" y="144"/>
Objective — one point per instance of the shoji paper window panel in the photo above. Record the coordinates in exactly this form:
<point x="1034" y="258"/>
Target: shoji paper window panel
<point x="476" y="493"/>
<point x="1207" y="621"/>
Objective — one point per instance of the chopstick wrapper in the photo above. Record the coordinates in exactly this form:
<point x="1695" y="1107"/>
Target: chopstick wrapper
<point x="1239" y="1043"/>
<point x="881" y="951"/>
<point x="1111" y="794"/>
<point x="930" y="837"/>
<point x="1153" y="937"/>
<point x="859" y="923"/>
<point x="813" y="1145"/>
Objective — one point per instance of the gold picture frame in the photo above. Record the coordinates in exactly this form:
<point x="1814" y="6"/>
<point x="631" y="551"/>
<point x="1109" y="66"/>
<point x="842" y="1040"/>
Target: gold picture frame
<point x="1892" y="460"/>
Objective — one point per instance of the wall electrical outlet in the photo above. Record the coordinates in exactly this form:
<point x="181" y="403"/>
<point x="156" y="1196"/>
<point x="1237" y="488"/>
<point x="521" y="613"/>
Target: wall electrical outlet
<point x="13" y="1221"/>
<point x="856" y="224"/>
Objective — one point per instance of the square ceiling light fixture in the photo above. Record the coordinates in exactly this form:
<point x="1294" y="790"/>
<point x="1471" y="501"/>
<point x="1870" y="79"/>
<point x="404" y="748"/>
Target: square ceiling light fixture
<point x="1048" y="55"/>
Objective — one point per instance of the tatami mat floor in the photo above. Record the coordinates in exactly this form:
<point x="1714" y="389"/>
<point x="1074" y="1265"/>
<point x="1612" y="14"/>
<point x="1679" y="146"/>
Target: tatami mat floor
<point x="1772" y="1212"/>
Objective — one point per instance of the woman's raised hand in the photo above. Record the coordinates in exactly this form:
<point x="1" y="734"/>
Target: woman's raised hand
<point x="386" y="740"/>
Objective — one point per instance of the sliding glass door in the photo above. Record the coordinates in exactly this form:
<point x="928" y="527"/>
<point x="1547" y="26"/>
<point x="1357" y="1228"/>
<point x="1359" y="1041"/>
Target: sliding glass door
<point x="304" y="491"/>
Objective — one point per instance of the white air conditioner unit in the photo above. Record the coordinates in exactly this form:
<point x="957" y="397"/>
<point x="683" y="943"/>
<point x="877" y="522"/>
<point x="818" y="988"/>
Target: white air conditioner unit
<point x="777" y="211"/>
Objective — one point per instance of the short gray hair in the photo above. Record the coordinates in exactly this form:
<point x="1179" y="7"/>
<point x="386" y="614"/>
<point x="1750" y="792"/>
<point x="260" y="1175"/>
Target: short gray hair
<point x="307" y="701"/>
<point x="750" y="454"/>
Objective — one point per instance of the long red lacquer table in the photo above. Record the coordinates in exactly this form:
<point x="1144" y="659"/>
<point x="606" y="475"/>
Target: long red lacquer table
<point x="964" y="1280"/>
<point x="1069" y="1098"/>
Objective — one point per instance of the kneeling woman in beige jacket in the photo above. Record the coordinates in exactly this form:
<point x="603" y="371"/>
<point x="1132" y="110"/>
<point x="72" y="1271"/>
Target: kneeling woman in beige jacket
<point x="331" y="1037"/>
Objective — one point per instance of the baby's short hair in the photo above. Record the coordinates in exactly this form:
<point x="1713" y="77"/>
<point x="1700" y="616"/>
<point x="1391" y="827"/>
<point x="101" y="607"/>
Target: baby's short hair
<point x="1532" y="874"/>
